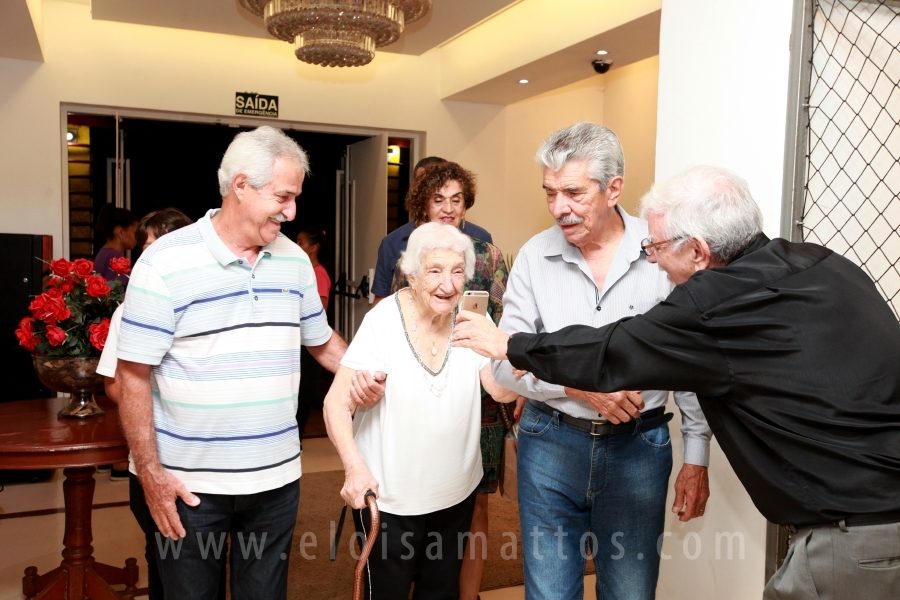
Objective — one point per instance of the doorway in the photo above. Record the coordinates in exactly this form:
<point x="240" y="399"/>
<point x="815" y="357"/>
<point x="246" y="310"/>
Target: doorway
<point x="173" y="162"/>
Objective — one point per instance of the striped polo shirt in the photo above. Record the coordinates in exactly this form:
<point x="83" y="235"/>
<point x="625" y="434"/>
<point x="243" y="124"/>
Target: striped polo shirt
<point x="223" y="337"/>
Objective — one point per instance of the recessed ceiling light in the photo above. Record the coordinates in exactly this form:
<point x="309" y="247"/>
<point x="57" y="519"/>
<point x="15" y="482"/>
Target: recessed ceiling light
<point x="523" y="81"/>
<point x="602" y="52"/>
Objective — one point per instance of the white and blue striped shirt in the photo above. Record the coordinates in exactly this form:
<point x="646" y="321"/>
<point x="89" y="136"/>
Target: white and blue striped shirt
<point x="224" y="338"/>
<point x="551" y="287"/>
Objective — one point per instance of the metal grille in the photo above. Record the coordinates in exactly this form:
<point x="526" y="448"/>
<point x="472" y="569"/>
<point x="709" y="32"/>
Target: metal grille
<point x="852" y="194"/>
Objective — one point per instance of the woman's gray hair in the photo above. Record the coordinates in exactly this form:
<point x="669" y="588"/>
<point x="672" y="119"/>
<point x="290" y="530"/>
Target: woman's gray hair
<point x="253" y="153"/>
<point x="709" y="203"/>
<point x="595" y="145"/>
<point x="436" y="236"/>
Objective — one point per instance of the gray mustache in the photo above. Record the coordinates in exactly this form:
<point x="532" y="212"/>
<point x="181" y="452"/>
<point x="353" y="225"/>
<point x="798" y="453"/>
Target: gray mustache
<point x="569" y="220"/>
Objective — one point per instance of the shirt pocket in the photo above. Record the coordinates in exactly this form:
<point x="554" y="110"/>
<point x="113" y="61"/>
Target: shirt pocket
<point x="639" y="308"/>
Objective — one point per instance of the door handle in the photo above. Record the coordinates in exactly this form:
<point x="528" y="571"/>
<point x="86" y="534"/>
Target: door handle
<point x="342" y="287"/>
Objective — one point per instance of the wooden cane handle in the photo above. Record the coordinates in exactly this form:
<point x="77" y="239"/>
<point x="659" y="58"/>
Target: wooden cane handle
<point x="374" y="529"/>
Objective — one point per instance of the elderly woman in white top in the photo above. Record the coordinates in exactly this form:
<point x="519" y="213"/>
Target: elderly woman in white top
<point x="419" y="448"/>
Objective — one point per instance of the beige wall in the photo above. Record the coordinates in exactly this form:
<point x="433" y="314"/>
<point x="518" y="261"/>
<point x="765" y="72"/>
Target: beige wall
<point x="630" y="110"/>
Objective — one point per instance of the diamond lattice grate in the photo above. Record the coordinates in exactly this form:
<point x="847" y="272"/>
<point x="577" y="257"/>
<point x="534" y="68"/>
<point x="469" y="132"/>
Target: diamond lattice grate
<point x="852" y="194"/>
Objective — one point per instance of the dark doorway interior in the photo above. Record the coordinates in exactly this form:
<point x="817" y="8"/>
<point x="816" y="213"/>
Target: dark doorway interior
<point x="175" y="164"/>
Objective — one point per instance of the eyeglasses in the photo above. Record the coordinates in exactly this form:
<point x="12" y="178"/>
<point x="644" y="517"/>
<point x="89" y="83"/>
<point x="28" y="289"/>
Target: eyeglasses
<point x="649" y="246"/>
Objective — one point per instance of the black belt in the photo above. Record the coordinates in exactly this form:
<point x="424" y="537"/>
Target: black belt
<point x="649" y="420"/>
<point x="880" y="518"/>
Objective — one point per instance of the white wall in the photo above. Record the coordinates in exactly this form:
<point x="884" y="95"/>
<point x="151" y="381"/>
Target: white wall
<point x="722" y="100"/>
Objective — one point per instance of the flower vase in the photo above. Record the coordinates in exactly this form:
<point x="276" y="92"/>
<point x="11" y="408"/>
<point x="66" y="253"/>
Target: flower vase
<point x="75" y="376"/>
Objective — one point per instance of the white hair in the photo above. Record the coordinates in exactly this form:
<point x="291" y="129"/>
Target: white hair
<point x="436" y="236"/>
<point x="595" y="145"/>
<point x="709" y="203"/>
<point x="253" y="153"/>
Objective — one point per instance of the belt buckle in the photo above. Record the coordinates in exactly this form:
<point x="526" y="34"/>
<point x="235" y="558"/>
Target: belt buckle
<point x="596" y="424"/>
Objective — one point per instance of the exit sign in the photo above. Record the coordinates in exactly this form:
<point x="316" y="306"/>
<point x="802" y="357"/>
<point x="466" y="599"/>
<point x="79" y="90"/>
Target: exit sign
<point x="257" y="105"/>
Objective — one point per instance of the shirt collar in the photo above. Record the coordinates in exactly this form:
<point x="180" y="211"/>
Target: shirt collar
<point x="215" y="244"/>
<point x="759" y="241"/>
<point x="628" y="252"/>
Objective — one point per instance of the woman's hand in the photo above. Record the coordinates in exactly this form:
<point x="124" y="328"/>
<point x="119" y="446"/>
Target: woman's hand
<point x="357" y="481"/>
<point x="480" y="334"/>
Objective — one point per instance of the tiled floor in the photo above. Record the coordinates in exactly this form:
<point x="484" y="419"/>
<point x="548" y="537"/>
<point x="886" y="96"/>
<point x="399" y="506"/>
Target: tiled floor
<point x="37" y="540"/>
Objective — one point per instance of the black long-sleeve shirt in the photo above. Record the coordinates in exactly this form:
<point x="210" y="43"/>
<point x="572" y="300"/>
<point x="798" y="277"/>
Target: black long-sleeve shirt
<point x="795" y="358"/>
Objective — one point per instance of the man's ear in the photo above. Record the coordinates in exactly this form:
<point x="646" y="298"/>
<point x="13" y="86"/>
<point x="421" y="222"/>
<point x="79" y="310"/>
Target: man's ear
<point x="239" y="185"/>
<point x="701" y="256"/>
<point x="614" y="189"/>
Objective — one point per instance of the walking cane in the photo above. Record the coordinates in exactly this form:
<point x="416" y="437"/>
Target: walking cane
<point x="367" y="548"/>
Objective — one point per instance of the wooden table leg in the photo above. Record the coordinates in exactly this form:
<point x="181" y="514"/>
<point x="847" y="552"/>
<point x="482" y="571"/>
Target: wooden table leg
<point x="80" y="577"/>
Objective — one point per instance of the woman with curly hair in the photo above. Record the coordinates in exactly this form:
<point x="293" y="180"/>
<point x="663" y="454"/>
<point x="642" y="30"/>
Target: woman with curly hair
<point x="425" y="203"/>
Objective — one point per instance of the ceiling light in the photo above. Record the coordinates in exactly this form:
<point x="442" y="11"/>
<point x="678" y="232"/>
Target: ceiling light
<point x="602" y="52"/>
<point x="337" y="33"/>
<point x="523" y="81"/>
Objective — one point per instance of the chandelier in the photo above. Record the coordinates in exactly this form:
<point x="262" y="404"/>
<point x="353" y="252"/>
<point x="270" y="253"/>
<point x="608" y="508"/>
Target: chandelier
<point x="337" y="33"/>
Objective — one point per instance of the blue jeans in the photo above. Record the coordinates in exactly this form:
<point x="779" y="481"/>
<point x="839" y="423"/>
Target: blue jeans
<point x="261" y="527"/>
<point x="577" y="492"/>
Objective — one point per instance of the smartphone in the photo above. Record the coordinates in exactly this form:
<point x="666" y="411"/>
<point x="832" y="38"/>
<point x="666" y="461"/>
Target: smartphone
<point x="475" y="301"/>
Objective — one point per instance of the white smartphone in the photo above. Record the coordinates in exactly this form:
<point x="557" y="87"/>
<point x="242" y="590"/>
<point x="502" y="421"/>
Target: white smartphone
<point x="475" y="301"/>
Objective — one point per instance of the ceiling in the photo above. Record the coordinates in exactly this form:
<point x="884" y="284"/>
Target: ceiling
<point x="18" y="36"/>
<point x="628" y="37"/>
<point x="626" y="44"/>
<point x="445" y="21"/>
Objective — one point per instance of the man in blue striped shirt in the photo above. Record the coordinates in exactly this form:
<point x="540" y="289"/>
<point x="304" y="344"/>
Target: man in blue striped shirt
<point x="209" y="357"/>
<point x="593" y="468"/>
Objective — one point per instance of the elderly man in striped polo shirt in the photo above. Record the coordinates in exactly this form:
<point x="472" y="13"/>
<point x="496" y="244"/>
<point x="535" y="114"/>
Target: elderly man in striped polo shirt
<point x="209" y="356"/>
<point x="593" y="468"/>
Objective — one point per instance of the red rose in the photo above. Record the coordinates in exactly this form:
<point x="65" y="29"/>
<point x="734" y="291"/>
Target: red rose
<point x="26" y="337"/>
<point x="50" y="307"/>
<point x="55" y="335"/>
<point x="25" y="333"/>
<point x="120" y="265"/>
<point x="83" y="267"/>
<point x="37" y="306"/>
<point x="96" y="286"/>
<point x="61" y="267"/>
<point x="98" y="333"/>
<point x="67" y="286"/>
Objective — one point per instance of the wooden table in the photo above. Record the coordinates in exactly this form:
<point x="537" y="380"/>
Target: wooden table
<point x="32" y="437"/>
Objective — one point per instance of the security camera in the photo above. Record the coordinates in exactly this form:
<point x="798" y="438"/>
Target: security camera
<point x="601" y="66"/>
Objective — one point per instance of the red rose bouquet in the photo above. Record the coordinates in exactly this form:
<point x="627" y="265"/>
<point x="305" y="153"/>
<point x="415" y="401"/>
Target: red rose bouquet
<point x="71" y="317"/>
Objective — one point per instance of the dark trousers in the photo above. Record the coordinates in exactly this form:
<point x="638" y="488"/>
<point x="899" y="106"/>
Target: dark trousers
<point x="423" y="549"/>
<point x="309" y="396"/>
<point x="142" y="515"/>
<point x="260" y="526"/>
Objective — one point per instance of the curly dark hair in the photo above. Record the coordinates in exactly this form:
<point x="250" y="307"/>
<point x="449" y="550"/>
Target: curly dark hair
<point x="432" y="180"/>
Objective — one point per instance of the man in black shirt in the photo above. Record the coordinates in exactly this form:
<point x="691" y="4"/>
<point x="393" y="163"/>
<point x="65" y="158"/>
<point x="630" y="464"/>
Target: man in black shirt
<point x="795" y="358"/>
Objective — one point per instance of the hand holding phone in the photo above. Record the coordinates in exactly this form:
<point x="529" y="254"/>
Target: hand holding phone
<point x="475" y="301"/>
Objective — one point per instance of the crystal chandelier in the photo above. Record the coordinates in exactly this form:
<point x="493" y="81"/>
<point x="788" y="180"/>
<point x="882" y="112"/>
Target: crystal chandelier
<point x="337" y="33"/>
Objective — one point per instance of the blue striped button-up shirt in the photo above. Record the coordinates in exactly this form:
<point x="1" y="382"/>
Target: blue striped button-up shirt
<point x="551" y="287"/>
